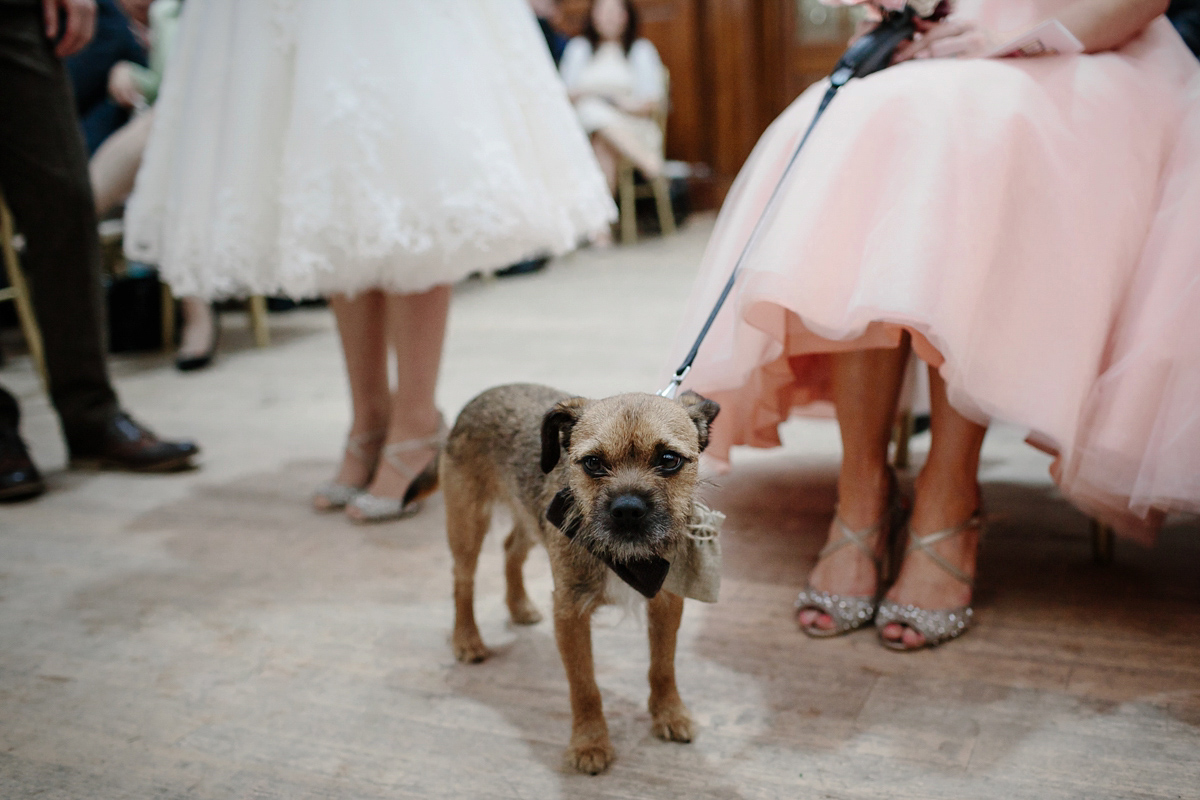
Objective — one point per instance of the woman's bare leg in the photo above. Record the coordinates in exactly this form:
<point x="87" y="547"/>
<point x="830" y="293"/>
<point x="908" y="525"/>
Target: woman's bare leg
<point x="115" y="164"/>
<point x="947" y="495"/>
<point x="361" y="327"/>
<point x="625" y="143"/>
<point x="415" y="329"/>
<point x="866" y="390"/>
<point x="608" y="159"/>
<point x="199" y="328"/>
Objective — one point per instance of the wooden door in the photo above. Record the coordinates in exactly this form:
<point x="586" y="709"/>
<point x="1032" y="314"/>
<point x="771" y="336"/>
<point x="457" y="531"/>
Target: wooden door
<point x="803" y="39"/>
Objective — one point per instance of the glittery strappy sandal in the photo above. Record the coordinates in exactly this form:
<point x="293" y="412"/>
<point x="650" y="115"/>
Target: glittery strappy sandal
<point x="940" y="626"/>
<point x="853" y="612"/>
<point x="367" y="507"/>
<point x="333" y="496"/>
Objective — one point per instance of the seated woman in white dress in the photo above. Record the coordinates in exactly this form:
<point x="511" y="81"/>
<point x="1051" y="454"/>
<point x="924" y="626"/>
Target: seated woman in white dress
<point x="616" y="82"/>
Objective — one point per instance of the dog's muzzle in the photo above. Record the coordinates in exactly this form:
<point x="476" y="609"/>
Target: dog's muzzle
<point x="634" y="519"/>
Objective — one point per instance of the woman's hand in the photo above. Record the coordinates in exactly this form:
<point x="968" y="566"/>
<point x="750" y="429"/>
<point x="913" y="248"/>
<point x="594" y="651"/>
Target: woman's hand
<point x="950" y="38"/>
<point x="122" y="87"/>
<point x="635" y="107"/>
<point x="78" y="29"/>
<point x="868" y="22"/>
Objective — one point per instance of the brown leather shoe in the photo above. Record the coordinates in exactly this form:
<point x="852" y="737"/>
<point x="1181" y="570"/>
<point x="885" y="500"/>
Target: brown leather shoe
<point x="123" y="444"/>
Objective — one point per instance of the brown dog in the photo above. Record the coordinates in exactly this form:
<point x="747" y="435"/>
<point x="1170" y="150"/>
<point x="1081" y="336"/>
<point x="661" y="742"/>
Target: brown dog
<point x="616" y="504"/>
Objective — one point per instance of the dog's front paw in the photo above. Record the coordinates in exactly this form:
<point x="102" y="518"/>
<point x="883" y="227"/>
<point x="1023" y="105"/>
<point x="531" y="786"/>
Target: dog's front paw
<point x="673" y="724"/>
<point x="469" y="648"/>
<point x="591" y="756"/>
<point x="524" y="612"/>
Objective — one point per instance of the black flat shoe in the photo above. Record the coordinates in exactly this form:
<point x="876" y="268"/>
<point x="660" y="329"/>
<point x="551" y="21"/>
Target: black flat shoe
<point x="526" y="267"/>
<point x="19" y="478"/>
<point x="192" y="363"/>
<point x="123" y="444"/>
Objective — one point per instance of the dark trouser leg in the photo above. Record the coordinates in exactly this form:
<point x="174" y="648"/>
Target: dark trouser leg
<point x="44" y="179"/>
<point x="10" y="414"/>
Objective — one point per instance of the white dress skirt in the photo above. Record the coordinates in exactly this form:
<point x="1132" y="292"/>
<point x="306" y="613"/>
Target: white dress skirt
<point x="305" y="147"/>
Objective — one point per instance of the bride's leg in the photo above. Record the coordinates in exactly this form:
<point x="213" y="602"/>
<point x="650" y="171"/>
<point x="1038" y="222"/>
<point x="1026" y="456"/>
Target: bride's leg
<point x="361" y="328"/>
<point x="947" y="495"/>
<point x="866" y="389"/>
<point x="416" y="328"/>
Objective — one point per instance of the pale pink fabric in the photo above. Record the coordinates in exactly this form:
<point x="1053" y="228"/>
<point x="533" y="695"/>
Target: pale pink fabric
<point x="1139" y="450"/>
<point x="995" y="208"/>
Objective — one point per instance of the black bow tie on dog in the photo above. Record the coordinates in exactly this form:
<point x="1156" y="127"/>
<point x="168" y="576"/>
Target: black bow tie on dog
<point x="646" y="575"/>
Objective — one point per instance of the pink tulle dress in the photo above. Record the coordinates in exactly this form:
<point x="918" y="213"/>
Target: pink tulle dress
<point x="1139" y="449"/>
<point x="997" y="209"/>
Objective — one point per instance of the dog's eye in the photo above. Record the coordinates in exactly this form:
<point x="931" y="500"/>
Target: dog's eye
<point x="592" y="465"/>
<point x="670" y="462"/>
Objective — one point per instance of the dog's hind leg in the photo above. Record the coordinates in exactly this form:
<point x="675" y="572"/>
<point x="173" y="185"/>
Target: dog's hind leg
<point x="468" y="516"/>
<point x="516" y="550"/>
<point x="671" y="720"/>
<point x="591" y="750"/>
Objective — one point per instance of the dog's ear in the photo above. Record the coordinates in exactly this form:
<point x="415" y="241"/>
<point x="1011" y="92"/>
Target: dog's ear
<point x="702" y="411"/>
<point x="561" y="513"/>
<point x="556" y="429"/>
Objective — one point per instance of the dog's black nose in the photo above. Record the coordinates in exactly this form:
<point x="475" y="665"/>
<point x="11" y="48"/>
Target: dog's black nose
<point x="628" y="509"/>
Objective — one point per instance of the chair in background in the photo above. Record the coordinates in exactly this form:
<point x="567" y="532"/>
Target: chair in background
<point x="628" y="191"/>
<point x="18" y="293"/>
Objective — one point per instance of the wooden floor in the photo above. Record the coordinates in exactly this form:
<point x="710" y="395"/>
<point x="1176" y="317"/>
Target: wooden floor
<point x="207" y="636"/>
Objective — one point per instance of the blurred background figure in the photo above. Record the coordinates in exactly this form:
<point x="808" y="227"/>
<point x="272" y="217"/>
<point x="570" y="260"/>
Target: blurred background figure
<point x="547" y="15"/>
<point x="133" y="86"/>
<point x="104" y="74"/>
<point x="375" y="152"/>
<point x="133" y="79"/>
<point x="616" y="81"/>
<point x="44" y="181"/>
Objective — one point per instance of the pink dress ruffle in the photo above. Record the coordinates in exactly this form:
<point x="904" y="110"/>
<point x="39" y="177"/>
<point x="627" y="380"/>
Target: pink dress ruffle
<point x="1139" y="451"/>
<point x="996" y="209"/>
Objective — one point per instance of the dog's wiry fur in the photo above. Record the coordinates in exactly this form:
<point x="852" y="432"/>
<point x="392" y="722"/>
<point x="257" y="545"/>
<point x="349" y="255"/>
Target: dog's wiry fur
<point x="522" y="445"/>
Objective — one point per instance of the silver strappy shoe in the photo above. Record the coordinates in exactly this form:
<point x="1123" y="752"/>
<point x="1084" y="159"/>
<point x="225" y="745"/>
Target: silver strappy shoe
<point x="366" y="507"/>
<point x="847" y="613"/>
<point x="937" y="627"/>
<point x="332" y="496"/>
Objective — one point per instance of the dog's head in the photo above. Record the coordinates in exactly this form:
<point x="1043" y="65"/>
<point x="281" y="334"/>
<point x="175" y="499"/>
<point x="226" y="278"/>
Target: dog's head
<point x="630" y="467"/>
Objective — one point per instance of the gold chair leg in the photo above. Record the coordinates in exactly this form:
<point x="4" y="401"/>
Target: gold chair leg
<point x="258" y="320"/>
<point x="662" y="198"/>
<point x="901" y="437"/>
<point x="168" y="319"/>
<point x="627" y="202"/>
<point x="20" y="291"/>
<point x="1103" y="543"/>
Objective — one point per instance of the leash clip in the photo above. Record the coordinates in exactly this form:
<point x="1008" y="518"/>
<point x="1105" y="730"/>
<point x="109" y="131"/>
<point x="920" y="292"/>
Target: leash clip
<point x="673" y="386"/>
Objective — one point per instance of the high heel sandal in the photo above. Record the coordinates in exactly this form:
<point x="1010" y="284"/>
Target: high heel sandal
<point x="366" y="507"/>
<point x="937" y="627"/>
<point x="850" y="613"/>
<point x="333" y="496"/>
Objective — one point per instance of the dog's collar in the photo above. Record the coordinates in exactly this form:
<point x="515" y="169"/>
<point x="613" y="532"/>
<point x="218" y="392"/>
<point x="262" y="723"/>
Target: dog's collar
<point x="646" y="575"/>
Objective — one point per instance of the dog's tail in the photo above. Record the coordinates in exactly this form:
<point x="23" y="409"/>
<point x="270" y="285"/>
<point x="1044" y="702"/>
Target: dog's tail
<point x="425" y="483"/>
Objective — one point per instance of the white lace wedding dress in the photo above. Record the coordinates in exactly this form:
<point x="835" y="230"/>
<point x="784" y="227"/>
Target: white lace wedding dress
<point x="304" y="147"/>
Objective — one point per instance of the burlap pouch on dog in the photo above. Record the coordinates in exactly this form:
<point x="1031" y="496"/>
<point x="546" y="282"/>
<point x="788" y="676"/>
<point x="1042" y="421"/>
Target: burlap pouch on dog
<point x="696" y="563"/>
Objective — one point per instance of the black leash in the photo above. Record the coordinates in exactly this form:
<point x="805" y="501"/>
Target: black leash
<point x="870" y="53"/>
